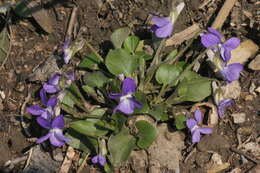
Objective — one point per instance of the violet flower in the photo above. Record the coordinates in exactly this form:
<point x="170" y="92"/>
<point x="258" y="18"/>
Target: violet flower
<point x="52" y="86"/>
<point x="67" y="52"/>
<point x="47" y="112"/>
<point x="70" y="77"/>
<point x="162" y="26"/>
<point x="231" y="72"/>
<point x="194" y="126"/>
<point x="55" y="131"/>
<point x="213" y="40"/>
<point x="127" y="103"/>
<point x="223" y="105"/>
<point x="99" y="159"/>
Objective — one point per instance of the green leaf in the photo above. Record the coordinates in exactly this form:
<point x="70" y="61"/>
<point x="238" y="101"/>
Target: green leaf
<point x="119" y="61"/>
<point x="159" y="113"/>
<point x="88" y="127"/>
<point x="96" y="79"/>
<point x="4" y="44"/>
<point x="141" y="97"/>
<point x="120" y="147"/>
<point x="81" y="142"/>
<point x="120" y="120"/>
<point x="119" y="36"/>
<point x="194" y="90"/>
<point x="131" y="43"/>
<point x="67" y="100"/>
<point x="145" y="56"/>
<point x="147" y="133"/>
<point x="179" y="121"/>
<point x="90" y="61"/>
<point x="171" y="55"/>
<point x="98" y="112"/>
<point x="166" y="73"/>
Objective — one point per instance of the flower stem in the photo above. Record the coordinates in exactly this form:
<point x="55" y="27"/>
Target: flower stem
<point x="94" y="51"/>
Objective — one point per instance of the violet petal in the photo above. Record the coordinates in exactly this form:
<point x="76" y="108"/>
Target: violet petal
<point x="205" y="130"/>
<point x="43" y="96"/>
<point x="58" y="122"/>
<point x="126" y="106"/>
<point x="223" y="105"/>
<point x="35" y="110"/>
<point x="190" y="123"/>
<point x="196" y="136"/>
<point x="101" y="160"/>
<point x="54" y="80"/>
<point x="136" y="103"/>
<point x="55" y="141"/>
<point x="115" y="96"/>
<point x="160" y="21"/>
<point x="94" y="159"/>
<point x="232" y="43"/>
<point x="209" y="40"/>
<point x="52" y="102"/>
<point x="165" y="31"/>
<point x="215" y="32"/>
<point x="43" y="122"/>
<point x="47" y="115"/>
<point x="198" y="116"/>
<point x="60" y="136"/>
<point x="43" y="138"/>
<point x="231" y="72"/>
<point x="129" y="86"/>
<point x="50" y="88"/>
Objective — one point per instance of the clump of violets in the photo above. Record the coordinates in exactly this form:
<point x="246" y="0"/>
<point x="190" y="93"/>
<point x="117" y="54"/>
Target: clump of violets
<point x="47" y="112"/>
<point x="127" y="102"/>
<point x="195" y="127"/>
<point x="99" y="159"/>
<point x="55" y="128"/>
<point x="215" y="41"/>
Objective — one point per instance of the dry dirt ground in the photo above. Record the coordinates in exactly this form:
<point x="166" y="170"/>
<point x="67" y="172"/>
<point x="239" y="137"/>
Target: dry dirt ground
<point x="31" y="46"/>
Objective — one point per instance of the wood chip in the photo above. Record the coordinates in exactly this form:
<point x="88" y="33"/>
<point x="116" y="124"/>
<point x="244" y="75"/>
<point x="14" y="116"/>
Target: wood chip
<point x="67" y="161"/>
<point x="184" y="35"/>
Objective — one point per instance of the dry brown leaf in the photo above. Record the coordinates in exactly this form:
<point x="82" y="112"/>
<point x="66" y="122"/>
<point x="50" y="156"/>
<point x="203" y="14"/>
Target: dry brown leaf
<point x="67" y="161"/>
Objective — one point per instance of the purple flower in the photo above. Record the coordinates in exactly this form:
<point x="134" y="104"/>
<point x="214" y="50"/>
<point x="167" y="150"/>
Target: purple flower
<point x="163" y="26"/>
<point x="52" y="86"/>
<point x="194" y="126"/>
<point x="70" y="77"/>
<point x="67" y="52"/>
<point x="223" y="105"/>
<point x="127" y="103"/>
<point x="99" y="159"/>
<point x="231" y="72"/>
<point x="55" y="131"/>
<point x="47" y="112"/>
<point x="213" y="40"/>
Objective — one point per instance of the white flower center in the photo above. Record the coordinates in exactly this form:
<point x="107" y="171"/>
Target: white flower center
<point x="194" y="128"/>
<point x="56" y="130"/>
<point x="125" y="97"/>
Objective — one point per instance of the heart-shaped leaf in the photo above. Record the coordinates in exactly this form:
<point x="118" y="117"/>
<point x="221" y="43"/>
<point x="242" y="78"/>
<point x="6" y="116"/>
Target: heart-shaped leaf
<point x="119" y="61"/>
<point x="179" y="121"/>
<point x="166" y="73"/>
<point x="119" y="36"/>
<point x="147" y="133"/>
<point x="96" y="79"/>
<point x="131" y="43"/>
<point x="120" y="147"/>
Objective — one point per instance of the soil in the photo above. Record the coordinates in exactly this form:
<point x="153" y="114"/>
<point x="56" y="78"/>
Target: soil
<point x="31" y="46"/>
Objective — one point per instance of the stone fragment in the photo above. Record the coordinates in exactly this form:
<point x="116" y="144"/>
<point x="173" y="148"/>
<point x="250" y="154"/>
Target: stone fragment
<point x="212" y="142"/>
<point x="239" y="118"/>
<point x="255" y="63"/>
<point x="246" y="50"/>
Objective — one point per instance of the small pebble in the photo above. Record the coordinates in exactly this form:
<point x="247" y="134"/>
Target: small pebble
<point x="239" y="118"/>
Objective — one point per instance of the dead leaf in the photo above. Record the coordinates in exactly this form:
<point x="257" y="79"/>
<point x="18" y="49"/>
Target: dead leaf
<point x="45" y="70"/>
<point x="4" y="45"/>
<point x="255" y="63"/>
<point x="67" y="161"/>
